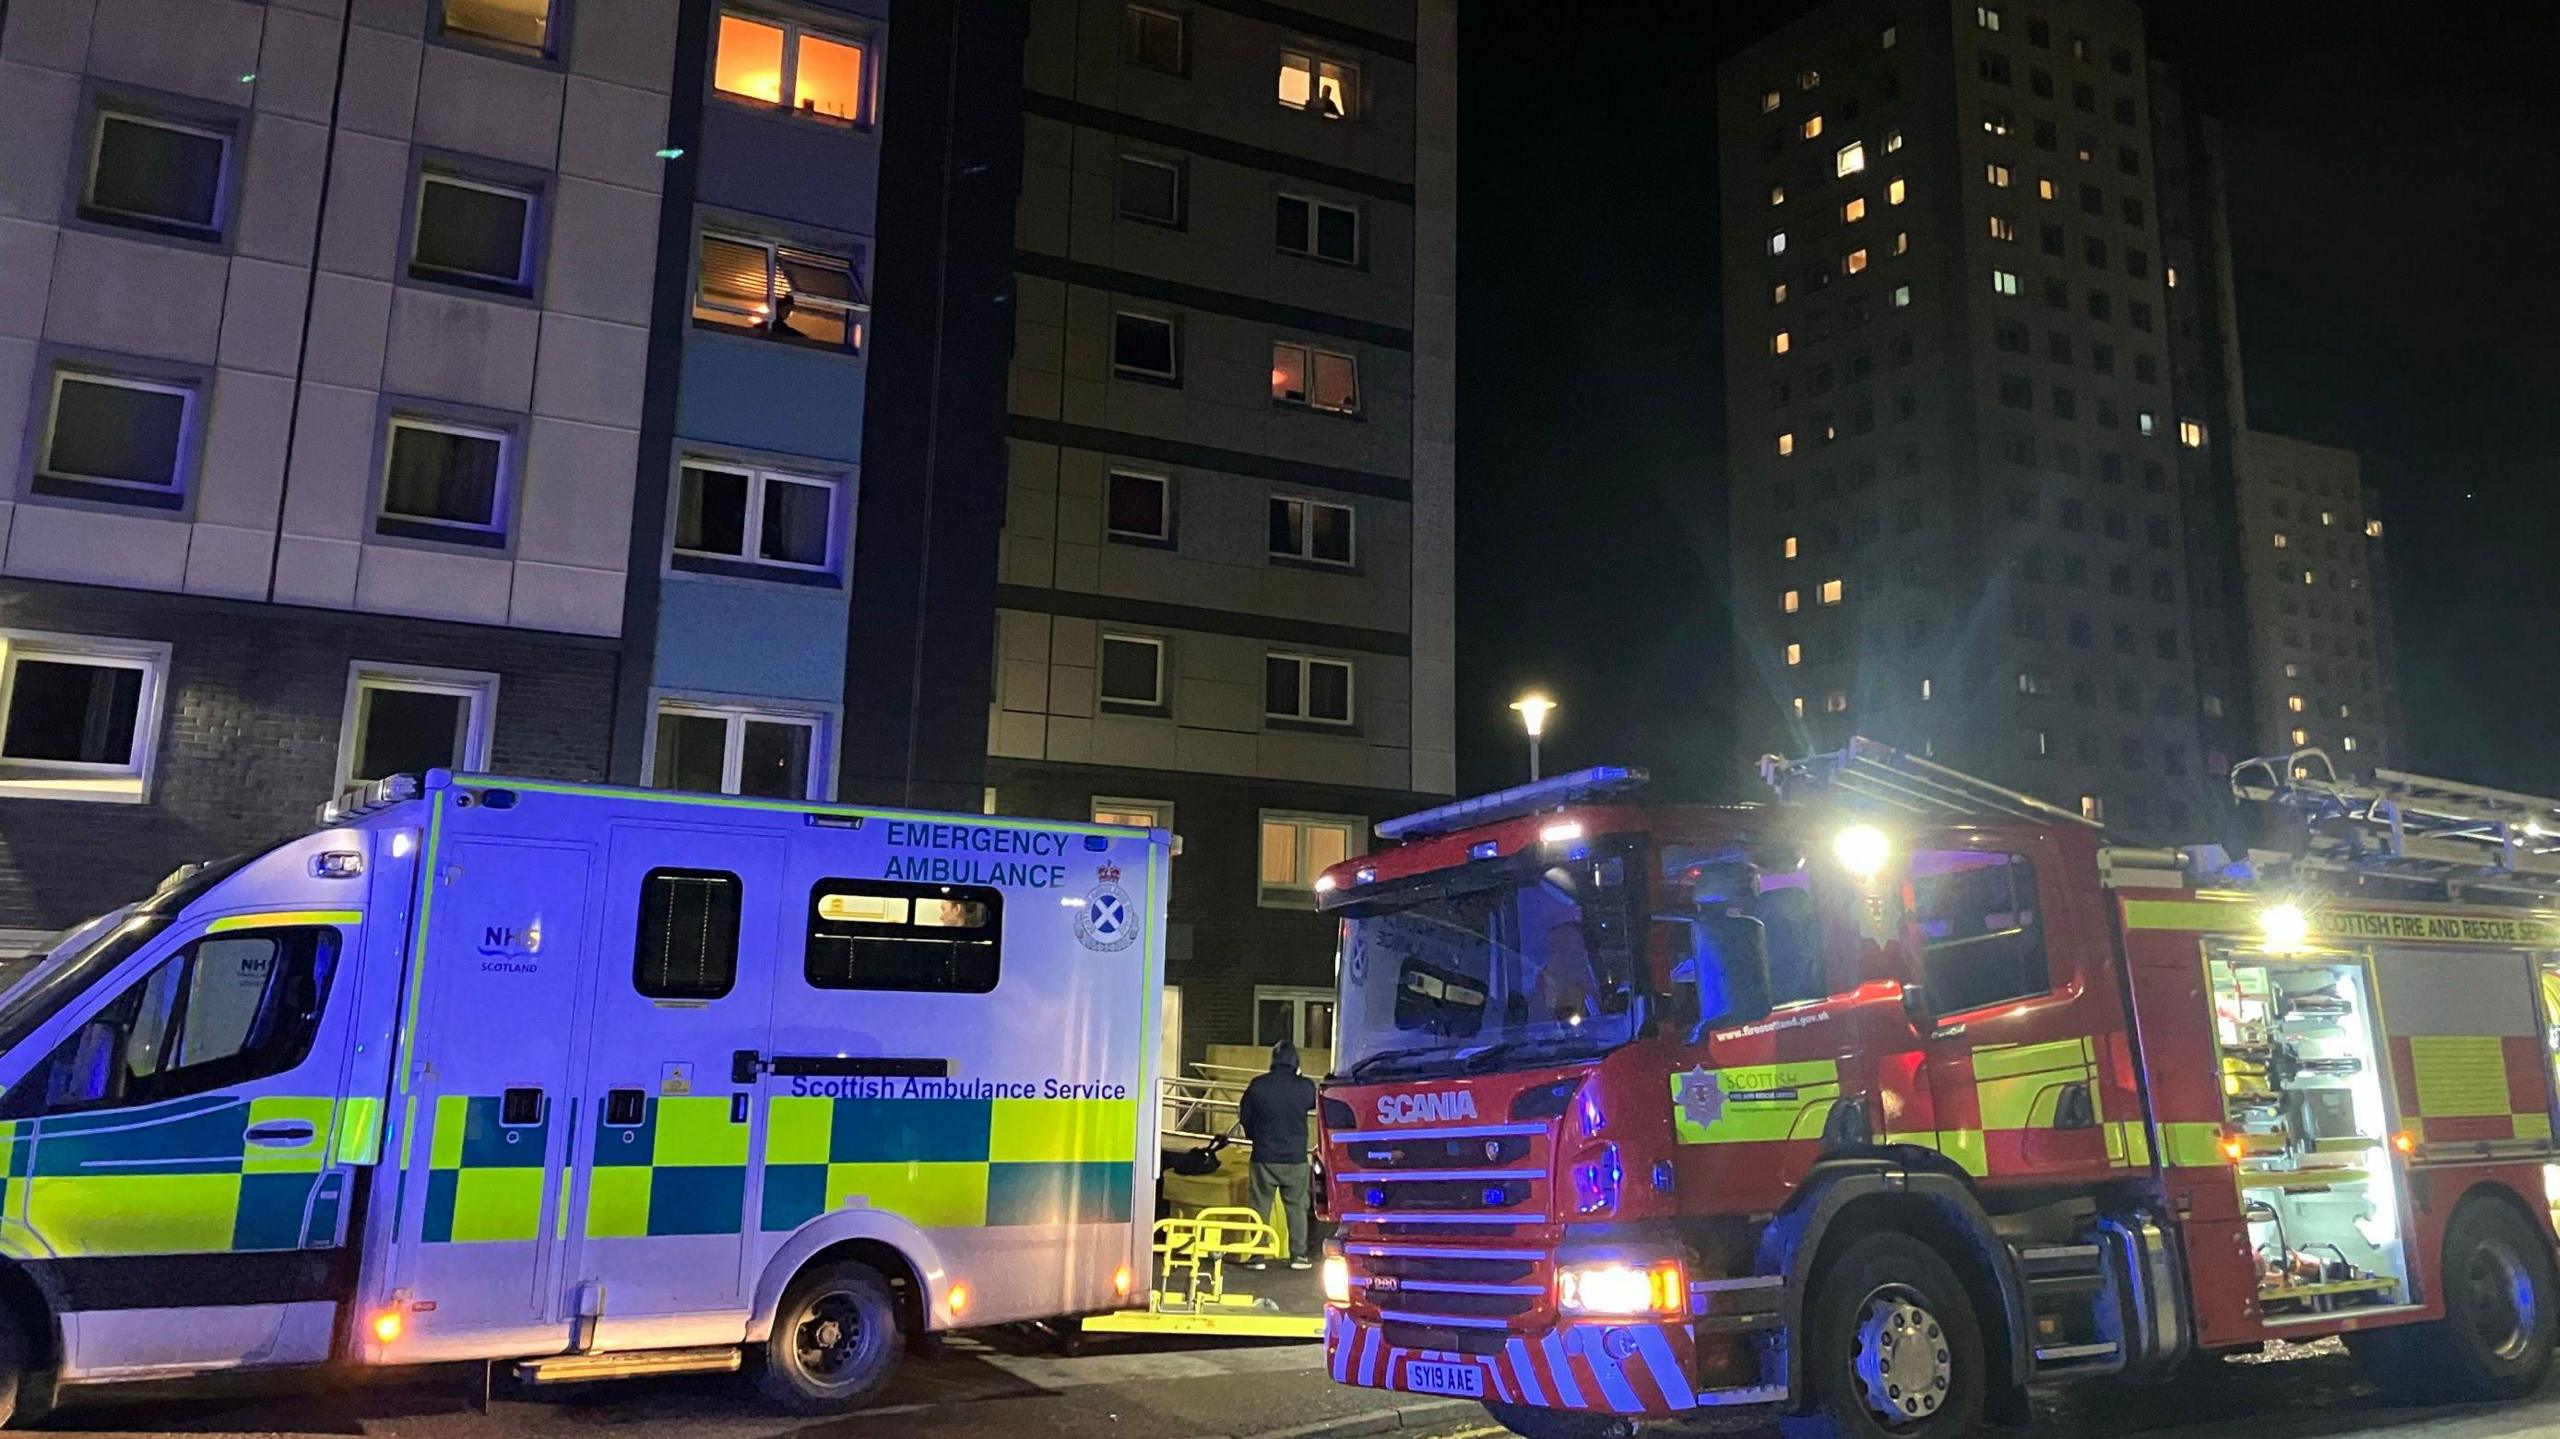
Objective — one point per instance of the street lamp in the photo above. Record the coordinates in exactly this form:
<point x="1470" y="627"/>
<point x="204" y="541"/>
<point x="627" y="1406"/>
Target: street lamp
<point x="1533" y="710"/>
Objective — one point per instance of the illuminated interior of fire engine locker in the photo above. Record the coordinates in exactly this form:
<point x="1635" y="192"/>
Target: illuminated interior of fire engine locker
<point x="2307" y="1131"/>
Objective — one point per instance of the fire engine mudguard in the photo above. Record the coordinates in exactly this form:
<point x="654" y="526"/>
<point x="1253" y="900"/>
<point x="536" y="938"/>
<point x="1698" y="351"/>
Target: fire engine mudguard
<point x="1844" y="1198"/>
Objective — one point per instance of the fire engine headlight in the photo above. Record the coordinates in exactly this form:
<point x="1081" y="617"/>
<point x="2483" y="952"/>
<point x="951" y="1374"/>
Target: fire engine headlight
<point x="1618" y="1290"/>
<point x="1337" y="1279"/>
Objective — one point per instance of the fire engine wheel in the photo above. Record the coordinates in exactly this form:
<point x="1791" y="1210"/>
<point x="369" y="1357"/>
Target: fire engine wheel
<point x="1531" y="1423"/>
<point x="836" y="1340"/>
<point x="2495" y="1340"/>
<point x="1892" y="1347"/>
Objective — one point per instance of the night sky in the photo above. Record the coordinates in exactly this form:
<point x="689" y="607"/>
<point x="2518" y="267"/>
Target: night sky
<point x="2393" y="185"/>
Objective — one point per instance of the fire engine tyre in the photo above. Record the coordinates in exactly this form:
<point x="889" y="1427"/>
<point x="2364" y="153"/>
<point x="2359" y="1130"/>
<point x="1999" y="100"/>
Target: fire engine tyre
<point x="836" y="1340"/>
<point x="1892" y="1347"/>
<point x="2495" y="1340"/>
<point x="1531" y="1423"/>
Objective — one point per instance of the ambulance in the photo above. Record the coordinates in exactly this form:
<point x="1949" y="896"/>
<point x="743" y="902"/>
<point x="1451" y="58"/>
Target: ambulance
<point x="592" y="1082"/>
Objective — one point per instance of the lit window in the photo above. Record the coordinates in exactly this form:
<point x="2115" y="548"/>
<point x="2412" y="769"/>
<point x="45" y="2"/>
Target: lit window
<point x="779" y="291"/>
<point x="2346" y="712"/>
<point x="1135" y="813"/>
<point x="2373" y="529"/>
<point x="1317" y="379"/>
<point x="1836" y="702"/>
<point x="1778" y="293"/>
<point x="2044" y="189"/>
<point x="1854" y="211"/>
<point x="2282" y="540"/>
<point x="1795" y="655"/>
<point x="2004" y="282"/>
<point x="2292" y="670"/>
<point x="1777" y="242"/>
<point x="79" y="716"/>
<point x="521" y="24"/>
<point x="1777" y="194"/>
<point x="1901" y="241"/>
<point x="1894" y="192"/>
<point x="1769" y="101"/>
<point x="731" y="749"/>
<point x="1808" y="79"/>
<point x="445" y="480"/>
<point x="2310" y="578"/>
<point x="470" y="233"/>
<point x="156" y="174"/>
<point x="1986" y="17"/>
<point x="731" y="517"/>
<point x="1891" y="35"/>
<point x="1851" y="159"/>
<point x="1779" y="342"/>
<point x="1788" y="547"/>
<point x="1854" y="262"/>
<point x="1318" y="229"/>
<point x="2191" y="434"/>
<point x="782" y="63"/>
<point x="2301" y="737"/>
<point x="1902" y="297"/>
<point x="1313" y="530"/>
<point x="1132" y="671"/>
<point x="2003" y="229"/>
<point x="2146" y="422"/>
<point x="1928" y="689"/>
<point x="2093" y="809"/>
<point x="117" y="437"/>
<point x="404" y="720"/>
<point x="1791" y="602"/>
<point x="1799" y="706"/>
<point x="1330" y="88"/>
<point x="1307" y="688"/>
<point x="2293" y="703"/>
<point x="1812" y="126"/>
<point x="1997" y="174"/>
<point x="2212" y="706"/>
<point x="1787" y="443"/>
<point x="2173" y="277"/>
<point x="1892" y="141"/>
<point x="1831" y="591"/>
<point x="2328" y="517"/>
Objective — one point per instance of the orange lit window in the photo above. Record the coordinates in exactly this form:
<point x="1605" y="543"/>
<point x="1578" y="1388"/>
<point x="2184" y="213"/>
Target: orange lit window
<point x="1328" y="87"/>
<point x="785" y="65"/>
<point x="1317" y="379"/>
<point x="1831" y="592"/>
<point x="774" y="289"/>
<point x="1780" y="342"/>
<point x="2044" y="189"/>
<point x="1812" y="126"/>
<point x="1791" y="547"/>
<point x="1777" y="194"/>
<point x="1795" y="655"/>
<point x="525" y="24"/>
<point x="1854" y="262"/>
<point x="1854" y="211"/>
<point x="1791" y="602"/>
<point x="1893" y="192"/>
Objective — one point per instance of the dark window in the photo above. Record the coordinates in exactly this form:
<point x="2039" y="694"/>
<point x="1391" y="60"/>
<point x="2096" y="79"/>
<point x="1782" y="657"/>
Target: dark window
<point x="2011" y="336"/>
<point x="1304" y="687"/>
<point x="2016" y="392"/>
<point x="2046" y="138"/>
<point x="400" y="730"/>
<point x="226" y="1010"/>
<point x="2133" y="211"/>
<point x="1993" y="67"/>
<point x="475" y="234"/>
<point x="2093" y="201"/>
<point x="754" y="515"/>
<point x="2102" y="358"/>
<point x="1143" y="345"/>
<point x="2124" y="110"/>
<point x="1151" y="190"/>
<point x="2140" y="313"/>
<point x="443" y="474"/>
<point x="1311" y="227"/>
<point x="2129" y="160"/>
<point x="1311" y="530"/>
<point x="2057" y="295"/>
<point x="161" y="175"/>
<point x="1151" y="38"/>
<point x="688" y="940"/>
<point x="2085" y="97"/>
<point x="1132" y="670"/>
<point x="881" y="934"/>
<point x="111" y="430"/>
<point x="2066" y="405"/>
<point x="1139" y="507"/>
<point x="2040" y="82"/>
<point x="69" y="712"/>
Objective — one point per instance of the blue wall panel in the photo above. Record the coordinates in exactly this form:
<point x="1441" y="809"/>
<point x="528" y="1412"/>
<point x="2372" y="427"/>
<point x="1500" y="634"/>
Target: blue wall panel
<point x="766" y="395"/>
<point x="751" y="639"/>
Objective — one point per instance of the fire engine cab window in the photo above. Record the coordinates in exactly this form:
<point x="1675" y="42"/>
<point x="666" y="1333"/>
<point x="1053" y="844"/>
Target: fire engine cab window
<point x="1981" y="928"/>
<point x="225" y="1010"/>
<point x="930" y="938"/>
<point x="688" y="941"/>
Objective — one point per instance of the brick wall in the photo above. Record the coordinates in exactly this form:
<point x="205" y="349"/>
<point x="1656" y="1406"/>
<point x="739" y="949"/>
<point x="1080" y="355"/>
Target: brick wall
<point x="249" y="731"/>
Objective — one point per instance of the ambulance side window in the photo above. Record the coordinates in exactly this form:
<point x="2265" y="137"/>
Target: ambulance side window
<point x="224" y="1011"/>
<point x="1981" y="928"/>
<point x="688" y="934"/>
<point x="881" y="934"/>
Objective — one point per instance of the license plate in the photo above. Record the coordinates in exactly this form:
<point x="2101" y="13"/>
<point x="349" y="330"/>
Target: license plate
<point x="1463" y="1380"/>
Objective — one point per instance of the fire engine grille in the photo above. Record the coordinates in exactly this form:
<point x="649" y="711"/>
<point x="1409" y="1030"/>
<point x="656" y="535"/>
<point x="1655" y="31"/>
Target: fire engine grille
<point x="1447" y="1233"/>
<point x="1494" y="1151"/>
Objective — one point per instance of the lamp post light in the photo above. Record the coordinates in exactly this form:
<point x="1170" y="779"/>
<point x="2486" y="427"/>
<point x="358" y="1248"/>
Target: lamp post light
<point x="1533" y="710"/>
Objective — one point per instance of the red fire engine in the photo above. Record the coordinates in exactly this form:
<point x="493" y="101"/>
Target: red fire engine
<point x="1887" y="1103"/>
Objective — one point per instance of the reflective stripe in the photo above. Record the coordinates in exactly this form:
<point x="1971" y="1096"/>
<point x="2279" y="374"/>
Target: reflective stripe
<point x="231" y="922"/>
<point x="950" y="1163"/>
<point x="2459" y="1074"/>
<point x="1964" y="1146"/>
<point x="2206" y="916"/>
<point x="2020" y="1086"/>
<point x="359" y="1130"/>
<point x="1752" y="1104"/>
<point x="2193" y="1145"/>
<point x="2129" y="1143"/>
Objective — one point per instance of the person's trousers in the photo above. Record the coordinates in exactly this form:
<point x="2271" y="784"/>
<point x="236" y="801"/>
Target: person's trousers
<point x="1289" y="1182"/>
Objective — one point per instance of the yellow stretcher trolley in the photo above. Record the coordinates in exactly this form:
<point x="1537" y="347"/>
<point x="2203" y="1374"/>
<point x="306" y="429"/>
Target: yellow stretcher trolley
<point x="1190" y="1293"/>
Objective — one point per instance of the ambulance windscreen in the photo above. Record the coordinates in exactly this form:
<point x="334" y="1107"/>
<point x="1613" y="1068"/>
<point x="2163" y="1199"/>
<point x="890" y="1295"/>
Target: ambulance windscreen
<point x="1497" y="967"/>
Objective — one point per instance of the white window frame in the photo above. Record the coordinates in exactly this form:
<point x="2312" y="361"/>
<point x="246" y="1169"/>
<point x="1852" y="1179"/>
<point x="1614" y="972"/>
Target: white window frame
<point x="1102" y="644"/>
<point x="1307" y="372"/>
<point x="1173" y="333"/>
<point x="792" y="31"/>
<point x="1297" y="997"/>
<point x="856" y="313"/>
<point x="1104" y="804"/>
<point x="752" y="532"/>
<point x="549" y="48"/>
<point x="477" y="688"/>
<point x="519" y="283"/>
<point x="1120" y="204"/>
<point x="1305" y="533"/>
<point x="1314" y="226"/>
<point x="127" y="783"/>
<point x="65" y="374"/>
<point x="1849" y="159"/>
<point x="501" y="500"/>
<point x="1301" y="892"/>
<point x="1164" y="507"/>
<point x="221" y="225"/>
<point x="1181" y="38"/>
<point x="1306" y="664"/>
<point x="818" y="723"/>
<point x="1314" y="64"/>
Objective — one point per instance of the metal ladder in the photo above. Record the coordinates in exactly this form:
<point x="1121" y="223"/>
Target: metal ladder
<point x="2408" y="826"/>
<point x="1864" y="771"/>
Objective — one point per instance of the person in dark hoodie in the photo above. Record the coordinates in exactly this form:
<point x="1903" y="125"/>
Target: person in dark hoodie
<point x="1274" y="1115"/>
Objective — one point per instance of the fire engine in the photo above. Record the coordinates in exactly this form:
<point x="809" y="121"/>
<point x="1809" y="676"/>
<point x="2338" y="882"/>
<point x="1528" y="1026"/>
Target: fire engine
<point x="1891" y="1102"/>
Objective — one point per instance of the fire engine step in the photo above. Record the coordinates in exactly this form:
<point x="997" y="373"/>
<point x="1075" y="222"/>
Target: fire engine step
<point x="568" y="1368"/>
<point x="2072" y="1353"/>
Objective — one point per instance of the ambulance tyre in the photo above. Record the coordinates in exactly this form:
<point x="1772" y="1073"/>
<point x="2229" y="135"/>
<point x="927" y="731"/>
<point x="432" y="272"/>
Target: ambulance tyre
<point x="1892" y="1347"/>
<point x="2495" y="1340"/>
<point x="836" y="1340"/>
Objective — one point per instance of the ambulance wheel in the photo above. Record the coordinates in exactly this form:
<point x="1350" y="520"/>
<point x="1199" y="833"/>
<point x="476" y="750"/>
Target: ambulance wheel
<point x="836" y="1340"/>
<point x="2495" y="1340"/>
<point x="1892" y="1347"/>
<point x="1531" y="1423"/>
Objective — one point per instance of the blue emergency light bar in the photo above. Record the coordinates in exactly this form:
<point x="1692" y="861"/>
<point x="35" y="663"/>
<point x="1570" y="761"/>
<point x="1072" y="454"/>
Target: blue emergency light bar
<point x="1564" y="789"/>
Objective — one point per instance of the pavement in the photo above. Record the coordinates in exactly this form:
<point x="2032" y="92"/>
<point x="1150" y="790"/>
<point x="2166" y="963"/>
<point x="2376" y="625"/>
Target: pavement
<point x="1012" y="1385"/>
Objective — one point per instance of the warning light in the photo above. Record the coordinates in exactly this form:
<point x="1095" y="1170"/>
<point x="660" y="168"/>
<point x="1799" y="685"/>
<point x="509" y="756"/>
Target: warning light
<point x="1861" y="850"/>
<point x="2285" y="926"/>
<point x="1337" y="1279"/>
<point x="959" y="1299"/>
<point x="386" y="1326"/>
<point x="1121" y="1280"/>
<point x="2405" y="1142"/>
<point x="2234" y="1148"/>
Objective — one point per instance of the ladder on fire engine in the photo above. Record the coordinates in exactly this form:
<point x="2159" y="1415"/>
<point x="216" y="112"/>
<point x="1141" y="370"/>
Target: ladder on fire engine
<point x="2410" y="827"/>
<point x="1866" y="772"/>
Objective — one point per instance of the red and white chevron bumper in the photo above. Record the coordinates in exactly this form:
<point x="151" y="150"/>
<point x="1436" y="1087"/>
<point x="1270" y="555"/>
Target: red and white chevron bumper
<point x="1640" y="1367"/>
